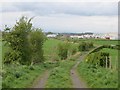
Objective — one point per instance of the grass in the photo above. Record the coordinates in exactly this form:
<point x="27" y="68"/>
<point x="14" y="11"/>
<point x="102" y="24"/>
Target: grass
<point x="100" y="41"/>
<point x="114" y="56"/>
<point x="104" y="42"/>
<point x="98" y="77"/>
<point x="20" y="76"/>
<point x="50" y="49"/>
<point x="60" y="75"/>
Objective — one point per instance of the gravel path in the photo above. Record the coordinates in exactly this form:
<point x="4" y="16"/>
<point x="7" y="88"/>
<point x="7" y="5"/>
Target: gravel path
<point x="77" y="82"/>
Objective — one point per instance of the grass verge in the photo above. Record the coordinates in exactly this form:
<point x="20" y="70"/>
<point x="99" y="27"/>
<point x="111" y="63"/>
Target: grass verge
<point x="98" y="77"/>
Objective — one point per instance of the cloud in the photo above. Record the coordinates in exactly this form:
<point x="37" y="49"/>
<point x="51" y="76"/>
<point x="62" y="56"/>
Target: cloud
<point x="10" y="18"/>
<point x="59" y="1"/>
<point x="73" y="8"/>
<point x="64" y="16"/>
<point x="77" y="23"/>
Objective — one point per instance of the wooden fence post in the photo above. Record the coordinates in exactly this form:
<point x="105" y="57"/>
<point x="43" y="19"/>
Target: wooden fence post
<point x="110" y="62"/>
<point x="106" y="61"/>
<point x="116" y="63"/>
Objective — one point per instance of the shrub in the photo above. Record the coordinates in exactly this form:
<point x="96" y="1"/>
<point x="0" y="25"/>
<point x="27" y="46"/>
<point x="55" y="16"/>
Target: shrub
<point x="17" y="38"/>
<point x="63" y="50"/>
<point x="36" y="40"/>
<point x="17" y="74"/>
<point x="31" y="67"/>
<point x="85" y="46"/>
<point x="98" y="59"/>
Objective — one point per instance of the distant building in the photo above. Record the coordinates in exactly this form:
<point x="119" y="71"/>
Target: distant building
<point x="76" y="36"/>
<point x="51" y="35"/>
<point x="112" y="36"/>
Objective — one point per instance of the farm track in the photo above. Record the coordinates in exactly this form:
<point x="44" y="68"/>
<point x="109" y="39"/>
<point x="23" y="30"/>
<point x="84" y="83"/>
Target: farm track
<point x="40" y="83"/>
<point x="77" y="82"/>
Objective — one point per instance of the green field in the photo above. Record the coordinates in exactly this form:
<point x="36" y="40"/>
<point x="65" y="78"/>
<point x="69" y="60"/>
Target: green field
<point x="101" y="41"/>
<point x="105" y="42"/>
<point x="22" y="76"/>
<point x="50" y="49"/>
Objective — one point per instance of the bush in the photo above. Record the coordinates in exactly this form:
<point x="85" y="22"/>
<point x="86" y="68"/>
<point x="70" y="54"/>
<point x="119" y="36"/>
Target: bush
<point x="25" y="43"/>
<point x="17" y="38"/>
<point x="17" y="74"/>
<point x="73" y="50"/>
<point x="98" y="59"/>
<point x="63" y="50"/>
<point x="36" y="40"/>
<point x="85" y="46"/>
<point x="31" y="67"/>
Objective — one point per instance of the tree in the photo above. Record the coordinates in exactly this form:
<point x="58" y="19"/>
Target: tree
<point x="18" y="41"/>
<point x="36" y="40"/>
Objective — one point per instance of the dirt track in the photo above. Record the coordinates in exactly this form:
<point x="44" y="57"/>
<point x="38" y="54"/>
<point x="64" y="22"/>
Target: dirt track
<point x="42" y="81"/>
<point x="77" y="82"/>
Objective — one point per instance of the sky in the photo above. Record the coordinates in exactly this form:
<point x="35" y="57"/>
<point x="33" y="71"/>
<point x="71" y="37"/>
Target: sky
<point x="63" y="15"/>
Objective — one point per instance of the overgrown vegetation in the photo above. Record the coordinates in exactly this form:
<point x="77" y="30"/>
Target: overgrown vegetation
<point x="20" y="76"/>
<point x="63" y="50"/>
<point x="93" y="70"/>
<point x="22" y="40"/>
<point x="99" y="59"/>
<point x="36" y="40"/>
<point x="85" y="46"/>
<point x="98" y="77"/>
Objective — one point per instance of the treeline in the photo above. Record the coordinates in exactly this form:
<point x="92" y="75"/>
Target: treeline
<point x="25" y="43"/>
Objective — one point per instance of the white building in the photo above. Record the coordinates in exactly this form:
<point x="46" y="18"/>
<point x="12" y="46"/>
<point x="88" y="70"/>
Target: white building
<point x="51" y="35"/>
<point x="112" y="36"/>
<point x="76" y="36"/>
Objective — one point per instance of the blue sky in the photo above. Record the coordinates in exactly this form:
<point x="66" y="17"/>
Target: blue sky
<point x="64" y="16"/>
